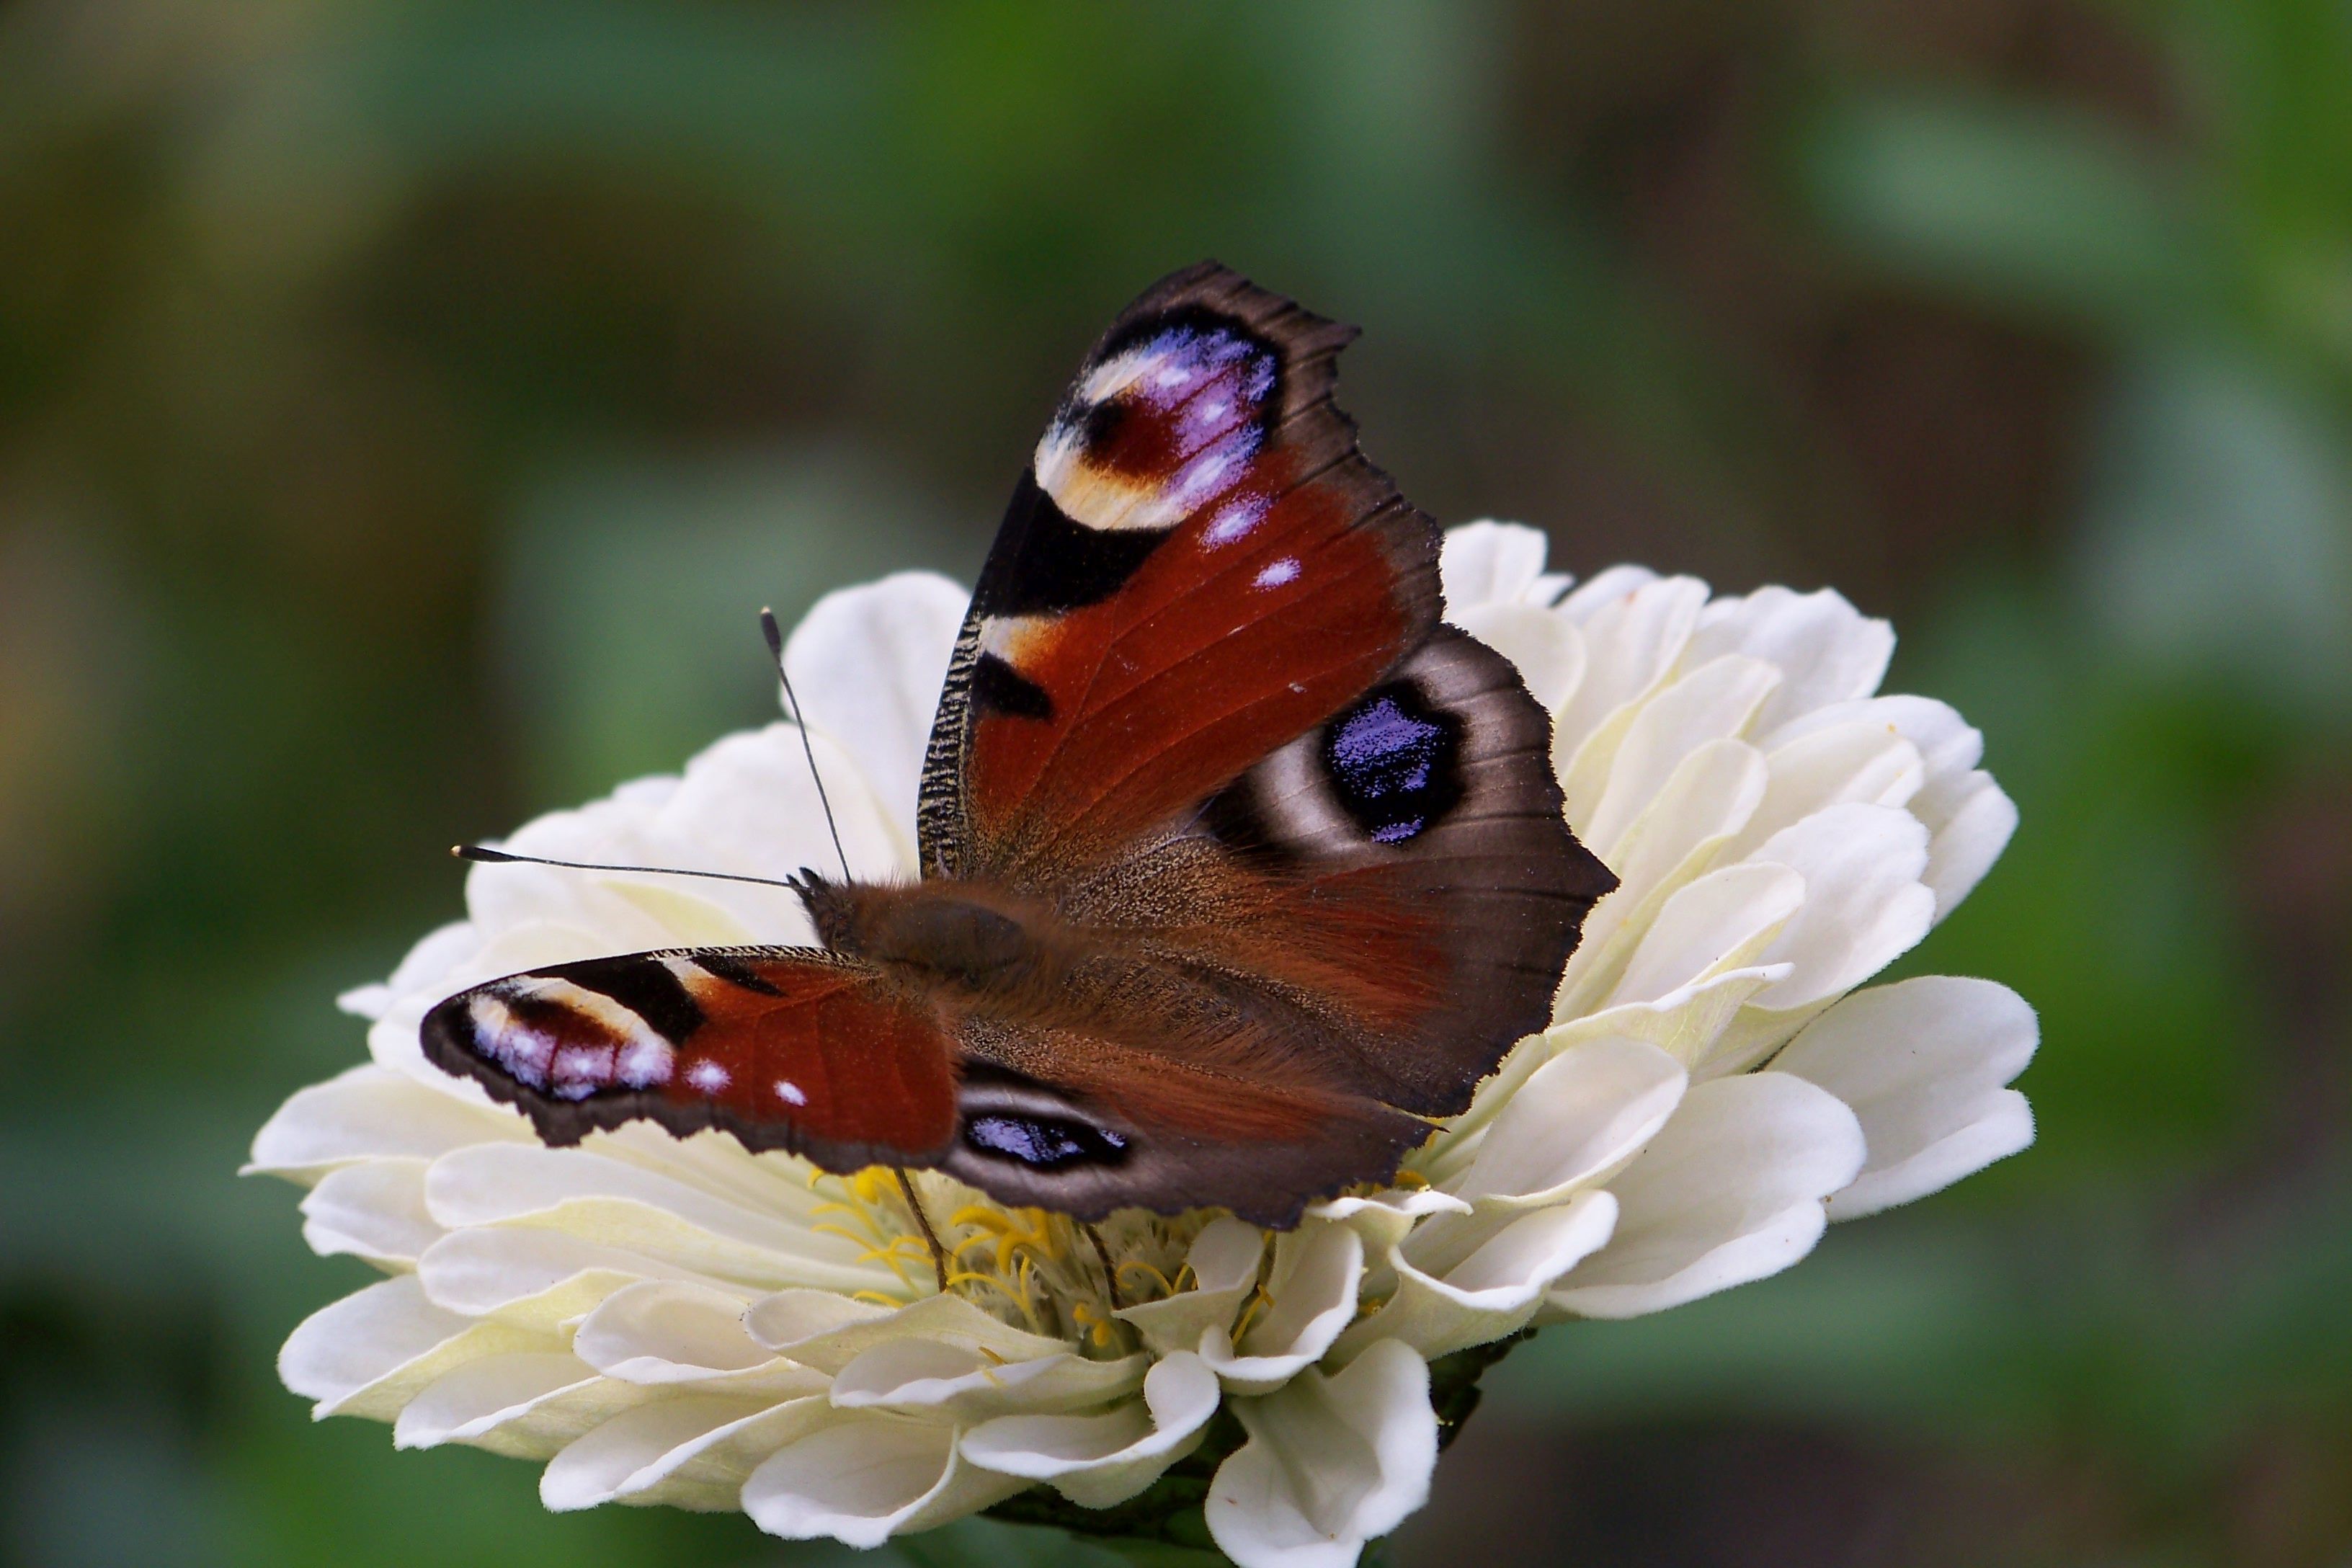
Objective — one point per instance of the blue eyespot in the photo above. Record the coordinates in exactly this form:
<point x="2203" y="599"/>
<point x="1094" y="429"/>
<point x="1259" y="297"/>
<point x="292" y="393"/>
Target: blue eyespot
<point x="1391" y="760"/>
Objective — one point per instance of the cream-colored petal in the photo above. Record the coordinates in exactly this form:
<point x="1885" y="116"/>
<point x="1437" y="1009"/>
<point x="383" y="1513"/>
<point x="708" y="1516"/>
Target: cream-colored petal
<point x="1312" y="1289"/>
<point x="669" y="1332"/>
<point x="621" y="1204"/>
<point x="1444" y="1302"/>
<point x="1332" y="1462"/>
<point x="524" y="1406"/>
<point x="1101" y="1460"/>
<point x="1224" y="1260"/>
<point x="1580" y="1115"/>
<point x="426" y="962"/>
<point x="373" y="1210"/>
<point x="1863" y="761"/>
<point x="1970" y="823"/>
<point x="1632" y="641"/>
<point x="945" y="1320"/>
<point x="692" y="1450"/>
<point x="1489" y="563"/>
<point x="1724" y="920"/>
<point x="1545" y="645"/>
<point x="1864" y="906"/>
<point x="868" y="1476"/>
<point x="1922" y="1063"/>
<point x="1675" y="841"/>
<point x="1713" y="702"/>
<point x="1729" y="1191"/>
<point x="1829" y="650"/>
<point x="920" y="1375"/>
<point x="370" y="1352"/>
<point x="531" y="1278"/>
<point x="868" y="663"/>
<point x="1385" y="1218"/>
<point x="372" y="1112"/>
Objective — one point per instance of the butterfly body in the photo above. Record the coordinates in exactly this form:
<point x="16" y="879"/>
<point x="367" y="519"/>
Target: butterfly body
<point x="1236" y="866"/>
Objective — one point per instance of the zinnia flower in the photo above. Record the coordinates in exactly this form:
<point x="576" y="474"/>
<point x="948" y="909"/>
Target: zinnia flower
<point x="665" y="1321"/>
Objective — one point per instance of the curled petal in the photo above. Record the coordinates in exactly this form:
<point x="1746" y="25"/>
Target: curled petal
<point x="661" y="1332"/>
<point x="867" y="1477"/>
<point x="1224" y="1262"/>
<point x="369" y="1113"/>
<point x="1312" y="1287"/>
<point x="1332" y="1462"/>
<point x="1922" y="1063"/>
<point x="373" y="1210"/>
<point x="1582" y="1113"/>
<point x="1101" y="1460"/>
<point x="782" y="1322"/>
<point x="1385" y="1218"/>
<point x="370" y="1352"/>
<point x="527" y="1405"/>
<point x="916" y="1375"/>
<point x="1467" y="1290"/>
<point x="1729" y="1191"/>
<point x="690" y="1451"/>
<point x="1828" y="650"/>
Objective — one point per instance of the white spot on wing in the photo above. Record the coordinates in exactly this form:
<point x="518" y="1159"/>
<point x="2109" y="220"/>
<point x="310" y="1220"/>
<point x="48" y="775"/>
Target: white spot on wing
<point x="789" y="1092"/>
<point x="707" y="1075"/>
<point x="1276" y="574"/>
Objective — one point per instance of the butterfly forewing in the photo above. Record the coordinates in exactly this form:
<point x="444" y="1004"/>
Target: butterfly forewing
<point x="785" y="1047"/>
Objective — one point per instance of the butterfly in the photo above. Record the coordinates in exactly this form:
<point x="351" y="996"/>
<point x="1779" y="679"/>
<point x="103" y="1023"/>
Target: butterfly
<point x="1238" y="866"/>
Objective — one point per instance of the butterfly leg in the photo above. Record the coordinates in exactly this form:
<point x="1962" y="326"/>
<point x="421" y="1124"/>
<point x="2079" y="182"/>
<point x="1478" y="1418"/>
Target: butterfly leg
<point x="923" y="1223"/>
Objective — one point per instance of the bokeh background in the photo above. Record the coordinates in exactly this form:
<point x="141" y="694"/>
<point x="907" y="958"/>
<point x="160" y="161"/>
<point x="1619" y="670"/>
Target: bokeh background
<point x="405" y="406"/>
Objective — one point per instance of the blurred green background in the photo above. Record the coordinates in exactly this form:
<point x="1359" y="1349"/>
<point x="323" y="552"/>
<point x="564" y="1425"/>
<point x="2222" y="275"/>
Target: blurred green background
<point x="405" y="406"/>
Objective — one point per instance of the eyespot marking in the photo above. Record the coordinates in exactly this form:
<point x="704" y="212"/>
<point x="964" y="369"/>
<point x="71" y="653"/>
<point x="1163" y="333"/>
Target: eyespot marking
<point x="1391" y="761"/>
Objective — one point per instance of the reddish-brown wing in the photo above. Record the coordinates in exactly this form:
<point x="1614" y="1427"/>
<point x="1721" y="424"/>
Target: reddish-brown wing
<point x="1198" y="567"/>
<point x="785" y="1047"/>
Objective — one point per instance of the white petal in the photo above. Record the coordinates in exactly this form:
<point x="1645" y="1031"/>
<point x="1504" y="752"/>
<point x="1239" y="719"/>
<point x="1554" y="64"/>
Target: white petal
<point x="1543" y="644"/>
<point x="1224" y="1261"/>
<point x="1581" y="1113"/>
<point x="532" y="1278"/>
<point x="1713" y="702"/>
<point x="426" y="962"/>
<point x="947" y="1320"/>
<point x="1729" y="1191"/>
<point x="374" y="1210"/>
<point x="1312" y="1286"/>
<point x="1866" y="761"/>
<point x="1864" y="906"/>
<point x="1922" y="1063"/>
<point x="1724" y="920"/>
<point x="1484" y="562"/>
<point x="1605" y="588"/>
<point x="669" y="1331"/>
<point x="690" y="1450"/>
<point x="868" y="1476"/>
<point x="1098" y="1461"/>
<point x="1829" y="650"/>
<point x="1978" y="820"/>
<point x="1385" y="1218"/>
<point x="1630" y="643"/>
<point x="371" y="1113"/>
<point x="617" y="1204"/>
<point x="868" y="663"/>
<point x="918" y="1375"/>
<point x="368" y="1353"/>
<point x="525" y="1406"/>
<point x="1332" y="1462"/>
<point x="1448" y="1303"/>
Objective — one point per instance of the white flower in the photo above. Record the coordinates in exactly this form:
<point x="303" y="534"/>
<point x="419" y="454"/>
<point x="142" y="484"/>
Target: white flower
<point x="680" y="1321"/>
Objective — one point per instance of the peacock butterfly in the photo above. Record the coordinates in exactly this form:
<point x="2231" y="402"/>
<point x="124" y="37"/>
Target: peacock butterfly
<point x="1237" y="866"/>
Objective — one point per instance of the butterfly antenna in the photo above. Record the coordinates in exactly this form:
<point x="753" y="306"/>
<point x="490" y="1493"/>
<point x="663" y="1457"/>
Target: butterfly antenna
<point x="775" y="635"/>
<point x="489" y="856"/>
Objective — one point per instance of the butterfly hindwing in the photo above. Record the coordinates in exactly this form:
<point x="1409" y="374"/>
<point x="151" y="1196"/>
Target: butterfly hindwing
<point x="785" y="1047"/>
